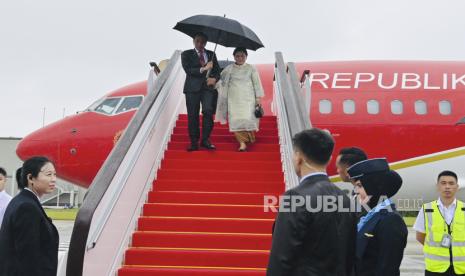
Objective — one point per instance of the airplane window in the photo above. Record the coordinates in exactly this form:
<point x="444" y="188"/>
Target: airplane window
<point x="129" y="103"/>
<point x="348" y="106"/>
<point x="397" y="107"/>
<point x="107" y="106"/>
<point x="325" y="107"/>
<point x="445" y="108"/>
<point x="373" y="107"/>
<point x="420" y="107"/>
<point x="94" y="104"/>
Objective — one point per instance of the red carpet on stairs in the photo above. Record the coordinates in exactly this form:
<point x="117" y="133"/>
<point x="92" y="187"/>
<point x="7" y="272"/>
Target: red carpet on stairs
<point x="205" y="214"/>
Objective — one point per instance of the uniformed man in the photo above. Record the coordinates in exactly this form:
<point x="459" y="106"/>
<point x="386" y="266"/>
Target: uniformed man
<point x="440" y="227"/>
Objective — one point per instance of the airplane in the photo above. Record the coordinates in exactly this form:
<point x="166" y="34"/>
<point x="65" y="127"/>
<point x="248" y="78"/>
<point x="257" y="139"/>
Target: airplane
<point x="412" y="112"/>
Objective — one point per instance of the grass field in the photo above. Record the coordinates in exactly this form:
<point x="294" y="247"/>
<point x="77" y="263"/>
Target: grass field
<point x="62" y="214"/>
<point x="409" y="221"/>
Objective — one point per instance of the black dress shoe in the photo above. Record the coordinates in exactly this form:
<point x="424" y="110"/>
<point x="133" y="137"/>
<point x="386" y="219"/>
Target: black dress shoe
<point x="208" y="145"/>
<point x="193" y="147"/>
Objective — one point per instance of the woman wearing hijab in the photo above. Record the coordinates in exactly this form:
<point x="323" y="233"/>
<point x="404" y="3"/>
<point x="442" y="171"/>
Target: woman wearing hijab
<point x="381" y="233"/>
<point x="28" y="238"/>
<point x="240" y="92"/>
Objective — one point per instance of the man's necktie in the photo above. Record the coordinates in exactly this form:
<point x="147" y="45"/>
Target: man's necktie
<point x="201" y="58"/>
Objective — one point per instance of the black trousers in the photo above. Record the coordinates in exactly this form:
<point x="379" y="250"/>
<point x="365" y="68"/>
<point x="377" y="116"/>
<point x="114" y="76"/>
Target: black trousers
<point x="205" y="97"/>
<point x="449" y="272"/>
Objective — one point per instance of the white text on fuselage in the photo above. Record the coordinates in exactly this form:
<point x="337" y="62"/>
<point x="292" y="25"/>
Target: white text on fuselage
<point x="391" y="81"/>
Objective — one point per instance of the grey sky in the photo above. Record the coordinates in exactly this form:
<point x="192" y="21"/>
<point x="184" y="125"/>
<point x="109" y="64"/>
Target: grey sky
<point x="67" y="54"/>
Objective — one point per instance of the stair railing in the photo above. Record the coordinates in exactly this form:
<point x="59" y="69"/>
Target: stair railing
<point x="289" y="107"/>
<point x="114" y="201"/>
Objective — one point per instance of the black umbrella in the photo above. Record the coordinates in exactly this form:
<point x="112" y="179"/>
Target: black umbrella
<point x="220" y="30"/>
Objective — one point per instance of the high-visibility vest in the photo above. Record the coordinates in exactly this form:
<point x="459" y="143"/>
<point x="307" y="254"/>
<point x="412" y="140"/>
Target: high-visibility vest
<point x="438" y="258"/>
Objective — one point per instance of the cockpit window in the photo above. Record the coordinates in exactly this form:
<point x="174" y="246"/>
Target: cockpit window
<point x="129" y="103"/>
<point x="107" y="106"/>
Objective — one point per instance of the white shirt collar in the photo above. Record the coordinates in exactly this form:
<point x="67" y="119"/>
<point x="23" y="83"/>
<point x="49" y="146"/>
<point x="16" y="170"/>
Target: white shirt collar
<point x="312" y="174"/>
<point x="32" y="192"/>
<point x="454" y="203"/>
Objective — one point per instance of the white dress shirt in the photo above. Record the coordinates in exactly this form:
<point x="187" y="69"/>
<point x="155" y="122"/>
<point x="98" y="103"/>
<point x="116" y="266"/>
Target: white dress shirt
<point x="446" y="212"/>
<point x="4" y="200"/>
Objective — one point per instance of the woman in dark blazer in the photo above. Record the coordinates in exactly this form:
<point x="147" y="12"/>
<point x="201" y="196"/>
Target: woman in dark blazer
<point x="28" y="238"/>
<point x="381" y="233"/>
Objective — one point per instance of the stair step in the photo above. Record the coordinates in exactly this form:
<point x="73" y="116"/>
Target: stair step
<point x="221" y="147"/>
<point x="217" y="175"/>
<point x="264" y="118"/>
<point x="229" y="138"/>
<point x="188" y="165"/>
<point x="200" y="156"/>
<point x="230" y="185"/>
<point x="190" y="271"/>
<point x="214" y="258"/>
<point x="207" y="197"/>
<point x="207" y="210"/>
<point x="202" y="240"/>
<point x="220" y="225"/>
<point x="263" y="124"/>
<point x="225" y="131"/>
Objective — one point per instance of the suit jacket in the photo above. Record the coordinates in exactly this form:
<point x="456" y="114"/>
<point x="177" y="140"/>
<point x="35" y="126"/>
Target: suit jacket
<point x="28" y="239"/>
<point x="196" y="81"/>
<point x="313" y="243"/>
<point x="380" y="245"/>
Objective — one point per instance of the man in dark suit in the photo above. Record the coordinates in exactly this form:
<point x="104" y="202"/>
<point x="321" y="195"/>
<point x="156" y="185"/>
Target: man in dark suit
<point x="199" y="89"/>
<point x="311" y="237"/>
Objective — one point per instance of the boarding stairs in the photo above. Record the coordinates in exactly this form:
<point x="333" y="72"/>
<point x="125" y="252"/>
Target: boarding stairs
<point x="156" y="209"/>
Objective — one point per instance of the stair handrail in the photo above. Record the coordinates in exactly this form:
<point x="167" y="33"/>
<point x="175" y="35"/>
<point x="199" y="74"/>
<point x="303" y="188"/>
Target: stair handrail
<point x="299" y="98"/>
<point x="281" y="83"/>
<point x="85" y="234"/>
<point x="289" y="107"/>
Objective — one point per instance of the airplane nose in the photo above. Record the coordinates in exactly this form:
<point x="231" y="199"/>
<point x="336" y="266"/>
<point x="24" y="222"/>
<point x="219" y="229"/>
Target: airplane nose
<point x="39" y="143"/>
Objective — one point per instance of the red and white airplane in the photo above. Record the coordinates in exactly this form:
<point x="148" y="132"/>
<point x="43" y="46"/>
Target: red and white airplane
<point x="412" y="112"/>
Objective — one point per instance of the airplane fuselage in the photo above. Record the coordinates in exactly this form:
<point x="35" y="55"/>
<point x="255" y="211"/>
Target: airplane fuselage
<point x="411" y="112"/>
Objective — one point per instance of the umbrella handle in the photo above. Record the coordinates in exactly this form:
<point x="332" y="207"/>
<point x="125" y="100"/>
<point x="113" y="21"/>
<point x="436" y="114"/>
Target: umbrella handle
<point x="214" y="51"/>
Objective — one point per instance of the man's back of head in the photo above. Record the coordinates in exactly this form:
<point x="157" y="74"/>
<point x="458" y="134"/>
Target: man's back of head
<point x="316" y="145"/>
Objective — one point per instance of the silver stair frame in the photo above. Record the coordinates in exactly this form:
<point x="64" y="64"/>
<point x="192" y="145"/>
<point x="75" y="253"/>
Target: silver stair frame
<point x="293" y="117"/>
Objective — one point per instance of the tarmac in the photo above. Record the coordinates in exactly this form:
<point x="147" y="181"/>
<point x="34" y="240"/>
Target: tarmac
<point x="412" y="264"/>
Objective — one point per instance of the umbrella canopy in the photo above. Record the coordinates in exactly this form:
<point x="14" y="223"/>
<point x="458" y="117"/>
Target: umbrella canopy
<point x="221" y="30"/>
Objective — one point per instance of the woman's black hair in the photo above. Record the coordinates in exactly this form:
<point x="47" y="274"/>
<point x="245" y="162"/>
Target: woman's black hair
<point x="31" y="168"/>
<point x="240" y="49"/>
<point x="18" y="178"/>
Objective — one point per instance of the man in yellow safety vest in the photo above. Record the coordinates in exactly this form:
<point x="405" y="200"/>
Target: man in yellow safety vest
<point x="440" y="227"/>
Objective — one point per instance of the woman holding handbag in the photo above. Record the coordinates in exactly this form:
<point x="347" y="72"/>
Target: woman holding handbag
<point x="239" y="99"/>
